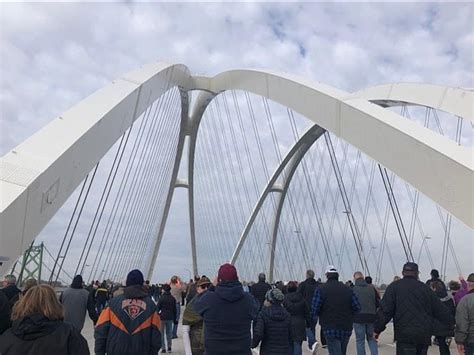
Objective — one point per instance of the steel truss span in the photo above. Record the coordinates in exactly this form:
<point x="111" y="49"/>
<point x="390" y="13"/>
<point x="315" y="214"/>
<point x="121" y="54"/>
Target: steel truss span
<point x="39" y="175"/>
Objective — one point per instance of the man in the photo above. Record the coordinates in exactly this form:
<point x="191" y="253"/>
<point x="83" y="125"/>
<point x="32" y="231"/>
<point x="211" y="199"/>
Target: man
<point x="307" y="289"/>
<point x="228" y="313"/>
<point x="193" y="324"/>
<point x="260" y="289"/>
<point x="364" y="320"/>
<point x="166" y="308"/>
<point x="335" y="304"/>
<point x="464" y="334"/>
<point x="10" y="290"/>
<point x="76" y="302"/>
<point x="130" y="324"/>
<point x="5" y="311"/>
<point x="414" y="309"/>
<point x="191" y="290"/>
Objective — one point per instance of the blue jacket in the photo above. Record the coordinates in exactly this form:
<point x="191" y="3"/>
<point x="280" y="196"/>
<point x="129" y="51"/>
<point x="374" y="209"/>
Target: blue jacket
<point x="228" y="313"/>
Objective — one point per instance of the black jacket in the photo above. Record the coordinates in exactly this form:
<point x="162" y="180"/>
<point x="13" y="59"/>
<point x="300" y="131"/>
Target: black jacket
<point x="227" y="312"/>
<point x="37" y="335"/>
<point x="296" y="305"/>
<point x="4" y="313"/>
<point x="166" y="307"/>
<point x="273" y="330"/>
<point x="129" y="325"/>
<point x="307" y="289"/>
<point x="13" y="294"/>
<point x="414" y="308"/>
<point x="259" y="290"/>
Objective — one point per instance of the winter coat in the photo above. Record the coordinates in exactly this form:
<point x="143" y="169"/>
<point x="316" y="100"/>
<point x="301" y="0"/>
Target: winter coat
<point x="368" y="300"/>
<point x="177" y="292"/>
<point x="307" y="289"/>
<point x="13" y="294"/>
<point x="5" y="322"/>
<point x="191" y="292"/>
<point x="273" y="330"/>
<point x="459" y="294"/>
<point x="76" y="301"/>
<point x="414" y="308"/>
<point x="299" y="311"/>
<point x="196" y="324"/>
<point x="101" y="295"/>
<point x="228" y="313"/>
<point x="259" y="290"/>
<point x="465" y="320"/>
<point x="129" y="325"/>
<point x="37" y="335"/>
<point x="166" y="307"/>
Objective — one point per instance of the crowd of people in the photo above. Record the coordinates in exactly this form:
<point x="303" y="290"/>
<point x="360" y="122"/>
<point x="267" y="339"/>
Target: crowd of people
<point x="226" y="316"/>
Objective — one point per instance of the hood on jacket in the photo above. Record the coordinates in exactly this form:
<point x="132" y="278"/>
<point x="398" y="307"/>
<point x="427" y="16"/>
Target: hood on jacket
<point x="34" y="327"/>
<point x="230" y="291"/>
<point x="77" y="282"/>
<point x="361" y="283"/>
<point x="294" y="297"/>
<point x="135" y="291"/>
<point x="276" y="312"/>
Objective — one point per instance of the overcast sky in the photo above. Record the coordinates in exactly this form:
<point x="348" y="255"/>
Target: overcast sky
<point x="53" y="55"/>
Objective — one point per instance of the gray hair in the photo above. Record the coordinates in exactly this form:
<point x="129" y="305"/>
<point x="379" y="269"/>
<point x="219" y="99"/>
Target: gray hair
<point x="310" y="274"/>
<point x="10" y="279"/>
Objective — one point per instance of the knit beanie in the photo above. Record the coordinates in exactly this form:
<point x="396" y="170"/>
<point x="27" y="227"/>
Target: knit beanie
<point x="135" y="277"/>
<point x="227" y="272"/>
<point x="77" y="282"/>
<point x="275" y="296"/>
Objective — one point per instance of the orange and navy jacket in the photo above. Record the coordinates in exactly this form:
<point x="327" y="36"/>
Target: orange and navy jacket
<point x="129" y="325"/>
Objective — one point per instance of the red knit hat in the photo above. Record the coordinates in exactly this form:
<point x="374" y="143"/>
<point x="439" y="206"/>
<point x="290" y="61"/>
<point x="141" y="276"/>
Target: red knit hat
<point x="227" y="272"/>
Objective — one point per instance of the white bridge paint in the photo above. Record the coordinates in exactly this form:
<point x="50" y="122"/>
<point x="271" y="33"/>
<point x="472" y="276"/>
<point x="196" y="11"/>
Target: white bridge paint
<point x="42" y="172"/>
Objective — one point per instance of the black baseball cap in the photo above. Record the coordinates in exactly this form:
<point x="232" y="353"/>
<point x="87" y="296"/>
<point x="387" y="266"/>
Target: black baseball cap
<point x="410" y="266"/>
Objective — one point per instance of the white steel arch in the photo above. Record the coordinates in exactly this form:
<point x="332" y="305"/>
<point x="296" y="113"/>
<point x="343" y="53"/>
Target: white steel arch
<point x="39" y="174"/>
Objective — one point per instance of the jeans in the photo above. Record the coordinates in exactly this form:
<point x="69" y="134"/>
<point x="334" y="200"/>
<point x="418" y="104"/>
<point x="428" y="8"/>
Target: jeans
<point x="175" y="326"/>
<point x="166" y="331"/>
<point x="362" y="332"/>
<point x="469" y="349"/>
<point x="311" y="336"/>
<point x="296" y="348"/>
<point x="443" y="346"/>
<point x="411" y="349"/>
<point x="337" y="346"/>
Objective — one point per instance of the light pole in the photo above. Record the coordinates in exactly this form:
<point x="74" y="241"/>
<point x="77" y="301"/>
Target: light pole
<point x="425" y="238"/>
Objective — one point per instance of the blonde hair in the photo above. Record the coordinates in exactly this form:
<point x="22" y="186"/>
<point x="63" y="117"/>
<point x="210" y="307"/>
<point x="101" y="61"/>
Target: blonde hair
<point x="39" y="299"/>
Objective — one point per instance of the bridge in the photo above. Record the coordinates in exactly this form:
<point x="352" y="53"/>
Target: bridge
<point x="273" y="173"/>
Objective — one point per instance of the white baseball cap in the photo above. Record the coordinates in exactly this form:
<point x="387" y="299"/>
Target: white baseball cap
<point x="331" y="269"/>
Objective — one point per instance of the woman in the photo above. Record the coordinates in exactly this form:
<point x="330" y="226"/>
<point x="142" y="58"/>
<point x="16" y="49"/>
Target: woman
<point x="176" y="291"/>
<point x="296" y="305"/>
<point x="38" y="327"/>
<point x="272" y="327"/>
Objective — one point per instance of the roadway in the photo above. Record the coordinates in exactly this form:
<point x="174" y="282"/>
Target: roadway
<point x="386" y="345"/>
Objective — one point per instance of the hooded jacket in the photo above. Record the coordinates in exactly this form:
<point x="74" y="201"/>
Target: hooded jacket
<point x="273" y="330"/>
<point x="37" y="335"/>
<point x="129" y="325"/>
<point x="76" y="301"/>
<point x="299" y="311"/>
<point x="166" y="307"/>
<point x="259" y="290"/>
<point x="227" y="312"/>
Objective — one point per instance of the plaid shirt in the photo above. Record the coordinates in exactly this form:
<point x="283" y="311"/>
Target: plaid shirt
<point x="316" y="311"/>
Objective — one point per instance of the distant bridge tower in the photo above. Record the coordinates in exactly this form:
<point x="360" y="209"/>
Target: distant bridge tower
<point x="32" y="263"/>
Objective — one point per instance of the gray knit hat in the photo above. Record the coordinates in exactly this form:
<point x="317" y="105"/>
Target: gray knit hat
<point x="275" y="296"/>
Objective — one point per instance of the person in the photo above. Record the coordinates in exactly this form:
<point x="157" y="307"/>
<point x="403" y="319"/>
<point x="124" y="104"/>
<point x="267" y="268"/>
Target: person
<point x="443" y="330"/>
<point x="193" y="324"/>
<point x="27" y="285"/>
<point x="101" y="297"/>
<point x="307" y="288"/>
<point x="166" y="308"/>
<point x="191" y="289"/>
<point x="260" y="289"/>
<point x="39" y="329"/>
<point x="10" y="290"/>
<point x="176" y="292"/>
<point x="296" y="305"/>
<point x="5" y="322"/>
<point x="76" y="302"/>
<point x="461" y="291"/>
<point x="464" y="334"/>
<point x="228" y="313"/>
<point x="364" y="320"/>
<point x="273" y="326"/>
<point x="335" y="304"/>
<point x="129" y="324"/>
<point x="414" y="308"/>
